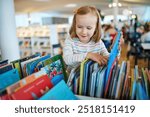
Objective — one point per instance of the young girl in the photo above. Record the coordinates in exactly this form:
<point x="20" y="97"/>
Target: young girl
<point x="84" y="40"/>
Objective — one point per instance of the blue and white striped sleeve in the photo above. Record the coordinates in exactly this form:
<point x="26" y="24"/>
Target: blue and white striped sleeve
<point x="69" y="56"/>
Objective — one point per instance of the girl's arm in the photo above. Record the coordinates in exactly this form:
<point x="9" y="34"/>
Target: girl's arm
<point x="69" y="57"/>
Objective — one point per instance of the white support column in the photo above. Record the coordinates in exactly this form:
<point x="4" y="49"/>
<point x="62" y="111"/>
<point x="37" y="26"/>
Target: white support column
<point x="8" y="40"/>
<point x="53" y="37"/>
<point x="115" y="12"/>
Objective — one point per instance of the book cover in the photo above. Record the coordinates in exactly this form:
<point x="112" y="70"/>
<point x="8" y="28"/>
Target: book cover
<point x="86" y="76"/>
<point x="5" y="68"/>
<point x="17" y="63"/>
<point x="126" y="81"/>
<point x="114" y="87"/>
<point x="90" y="78"/>
<point x="108" y="79"/>
<point x="8" y="78"/>
<point x="140" y="93"/>
<point x="100" y="82"/>
<point x="112" y="78"/>
<point x="33" y="90"/>
<point x="93" y="83"/>
<point x="147" y="87"/>
<point x="16" y="86"/>
<point x="4" y="62"/>
<point x="120" y="83"/>
<point x="76" y="83"/>
<point x="113" y="55"/>
<point x="81" y="77"/>
<point x="59" y="92"/>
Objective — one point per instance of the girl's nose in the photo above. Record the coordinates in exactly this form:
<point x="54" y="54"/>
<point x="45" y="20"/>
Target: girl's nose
<point x="84" y="31"/>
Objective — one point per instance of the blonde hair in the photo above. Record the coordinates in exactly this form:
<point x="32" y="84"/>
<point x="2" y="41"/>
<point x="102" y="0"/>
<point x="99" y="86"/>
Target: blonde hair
<point x="83" y="11"/>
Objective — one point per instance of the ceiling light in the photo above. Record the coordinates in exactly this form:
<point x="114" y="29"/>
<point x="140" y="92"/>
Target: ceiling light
<point x="133" y="16"/>
<point x="71" y="5"/>
<point x="110" y="5"/>
<point x="114" y="5"/>
<point x="119" y="4"/>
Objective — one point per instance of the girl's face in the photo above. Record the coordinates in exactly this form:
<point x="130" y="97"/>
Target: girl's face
<point x="85" y="27"/>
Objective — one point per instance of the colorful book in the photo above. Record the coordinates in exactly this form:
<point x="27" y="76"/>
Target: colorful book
<point x="33" y="90"/>
<point x="17" y="63"/>
<point x="120" y="83"/>
<point x="4" y="62"/>
<point x="8" y="78"/>
<point x="140" y="93"/>
<point x="59" y="92"/>
<point x="106" y="92"/>
<point x="114" y="87"/>
<point x="100" y="82"/>
<point x="147" y="87"/>
<point x="5" y="68"/>
<point x="82" y="77"/>
<point x="21" y="83"/>
<point x="126" y="80"/>
<point x="86" y="76"/>
<point x="113" y="56"/>
<point x="112" y="78"/>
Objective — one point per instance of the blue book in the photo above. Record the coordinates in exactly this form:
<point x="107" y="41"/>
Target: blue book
<point x="120" y="80"/>
<point x="35" y="63"/>
<point x="57" y="78"/>
<point x="114" y="53"/>
<point x="100" y="82"/>
<point x="76" y="82"/>
<point x="59" y="92"/>
<point x="114" y="87"/>
<point x="141" y="94"/>
<point x="5" y="68"/>
<point x="86" y="78"/>
<point x="8" y="78"/>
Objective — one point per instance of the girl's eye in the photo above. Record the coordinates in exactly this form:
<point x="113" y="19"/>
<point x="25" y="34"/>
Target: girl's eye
<point x="79" y="27"/>
<point x="89" y="28"/>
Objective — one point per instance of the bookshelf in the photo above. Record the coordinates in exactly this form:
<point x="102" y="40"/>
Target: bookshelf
<point x="34" y="39"/>
<point x="39" y="39"/>
<point x="41" y="44"/>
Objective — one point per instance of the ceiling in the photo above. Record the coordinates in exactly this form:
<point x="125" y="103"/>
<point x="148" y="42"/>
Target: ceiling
<point x="58" y="6"/>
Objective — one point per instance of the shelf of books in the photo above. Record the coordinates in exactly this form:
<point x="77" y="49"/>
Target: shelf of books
<point x="34" y="39"/>
<point x="37" y="39"/>
<point x="39" y="77"/>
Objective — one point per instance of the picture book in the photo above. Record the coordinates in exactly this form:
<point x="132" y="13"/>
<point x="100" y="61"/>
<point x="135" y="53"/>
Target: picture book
<point x="59" y="92"/>
<point x="8" y="78"/>
<point x="33" y="90"/>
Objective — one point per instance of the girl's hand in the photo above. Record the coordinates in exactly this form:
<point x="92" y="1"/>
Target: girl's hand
<point x="101" y="60"/>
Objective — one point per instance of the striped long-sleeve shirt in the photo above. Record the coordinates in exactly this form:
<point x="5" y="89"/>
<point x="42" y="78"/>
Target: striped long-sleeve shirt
<point x="74" y="51"/>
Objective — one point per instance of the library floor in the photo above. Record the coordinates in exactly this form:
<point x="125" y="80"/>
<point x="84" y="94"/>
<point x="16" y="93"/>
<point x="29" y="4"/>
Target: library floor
<point x="141" y="62"/>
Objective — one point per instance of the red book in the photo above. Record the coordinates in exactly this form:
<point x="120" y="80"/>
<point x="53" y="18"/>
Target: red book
<point x="5" y="97"/>
<point x="33" y="90"/>
<point x="106" y="92"/>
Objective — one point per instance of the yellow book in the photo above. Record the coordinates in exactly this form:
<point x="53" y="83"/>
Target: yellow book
<point x="81" y="76"/>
